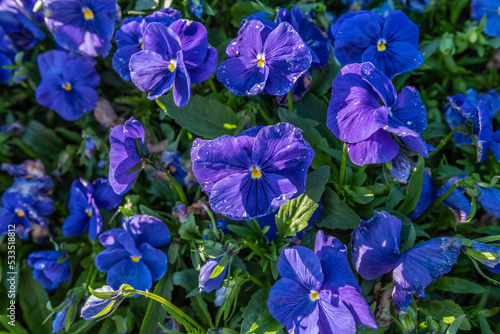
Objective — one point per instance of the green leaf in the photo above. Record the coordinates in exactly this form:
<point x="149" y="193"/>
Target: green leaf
<point x="189" y="230"/>
<point x="17" y="329"/>
<point x="32" y="300"/>
<point x="137" y="167"/>
<point x="446" y="311"/>
<point x="411" y="239"/>
<point x="456" y="285"/>
<point x="337" y="214"/>
<point x="293" y="216"/>
<point x="316" y="181"/>
<point x="252" y="311"/>
<point x="155" y="313"/>
<point x="42" y="140"/>
<point x="202" y="116"/>
<point x="361" y="195"/>
<point x="414" y="188"/>
<point x="242" y="9"/>
<point x="266" y="324"/>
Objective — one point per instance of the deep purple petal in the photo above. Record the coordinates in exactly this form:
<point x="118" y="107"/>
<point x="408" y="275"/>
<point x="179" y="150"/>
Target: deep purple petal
<point x="302" y="266"/>
<point x="109" y="257"/>
<point x="147" y="229"/>
<point x="242" y="76"/>
<point x="427" y="196"/>
<point x="456" y="202"/>
<point x="379" y="82"/>
<point x="135" y="274"/>
<point x="155" y="259"/>
<point x="352" y="298"/>
<point x="397" y="58"/>
<point x="398" y="27"/>
<point x="149" y="71"/>
<point x="490" y="200"/>
<point x="375" y="245"/>
<point x="182" y="84"/>
<point x="334" y="316"/>
<point x="206" y="283"/>
<point x="162" y="40"/>
<point x="118" y="238"/>
<point x="378" y="148"/>
<point x="410" y="110"/>
<point x="104" y="195"/>
<point x="193" y="40"/>
<point x="206" y="69"/>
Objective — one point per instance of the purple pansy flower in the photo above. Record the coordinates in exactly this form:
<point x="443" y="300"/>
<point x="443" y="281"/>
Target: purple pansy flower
<point x="479" y="8"/>
<point x="356" y="116"/>
<point x="85" y="200"/>
<point x="208" y="283"/>
<point x="264" y="59"/>
<point x="68" y="85"/>
<point x="47" y="270"/>
<point x="82" y="25"/>
<point x="18" y="22"/>
<point x="415" y="5"/>
<point x="254" y="173"/>
<point x="375" y="246"/>
<point x="390" y="44"/>
<point x="173" y="56"/>
<point x="492" y="265"/>
<point x="129" y="38"/>
<point x="317" y="292"/>
<point x="123" y="154"/>
<point x="131" y="255"/>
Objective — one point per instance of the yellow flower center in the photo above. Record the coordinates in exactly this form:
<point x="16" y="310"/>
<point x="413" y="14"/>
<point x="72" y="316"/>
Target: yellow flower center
<point x="67" y="86"/>
<point x="358" y="7"/>
<point x="20" y="213"/>
<point x="256" y="173"/>
<point x="89" y="212"/>
<point x="135" y="258"/>
<point x="314" y="295"/>
<point x="381" y="44"/>
<point x="172" y="66"/>
<point x="261" y="60"/>
<point x="88" y="14"/>
<point x="172" y="169"/>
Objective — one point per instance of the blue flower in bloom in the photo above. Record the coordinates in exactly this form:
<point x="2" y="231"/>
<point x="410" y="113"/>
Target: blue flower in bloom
<point x="17" y="210"/>
<point x="123" y="154"/>
<point x="478" y="8"/>
<point x="196" y="8"/>
<point x="82" y="25"/>
<point x="47" y="270"/>
<point x="68" y="85"/>
<point x="390" y="44"/>
<point x="428" y="195"/>
<point x="356" y="116"/>
<point x="264" y="59"/>
<point x="129" y="38"/>
<point x="415" y="5"/>
<point x="317" y="292"/>
<point x="173" y="56"/>
<point x="90" y="147"/>
<point x="85" y="200"/>
<point x="479" y="109"/>
<point x="375" y="250"/>
<point x="131" y="255"/>
<point x="206" y="281"/>
<point x="28" y="169"/>
<point x="254" y="173"/>
<point x="172" y="162"/>
<point x="494" y="264"/>
<point x="456" y="202"/>
<point x="317" y="41"/>
<point x="18" y="22"/>
<point x="490" y="200"/>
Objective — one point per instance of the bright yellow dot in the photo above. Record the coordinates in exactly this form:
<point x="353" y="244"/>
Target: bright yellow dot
<point x="256" y="173"/>
<point x="260" y="63"/>
<point x="20" y="213"/>
<point x="135" y="258"/>
<point x="314" y="295"/>
<point x="172" y="66"/>
<point x="358" y="7"/>
<point x="89" y="212"/>
<point x="172" y="169"/>
<point x="67" y="86"/>
<point x="381" y="44"/>
<point x="88" y="14"/>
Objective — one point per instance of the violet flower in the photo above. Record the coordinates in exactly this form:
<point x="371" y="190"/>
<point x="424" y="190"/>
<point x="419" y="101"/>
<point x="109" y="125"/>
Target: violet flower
<point x="47" y="269"/>
<point x="479" y="8"/>
<point x="254" y="173"/>
<point x="317" y="292"/>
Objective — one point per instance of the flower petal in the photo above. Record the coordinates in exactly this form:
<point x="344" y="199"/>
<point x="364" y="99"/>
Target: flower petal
<point x="242" y="76"/>
<point x="378" y="148"/>
<point x="379" y="82"/>
<point x="155" y="260"/>
<point x="147" y="229"/>
<point x="334" y="316"/>
<point x="397" y="58"/>
<point x="302" y="266"/>
<point x="410" y="110"/>
<point x="109" y="257"/>
<point x="135" y="274"/>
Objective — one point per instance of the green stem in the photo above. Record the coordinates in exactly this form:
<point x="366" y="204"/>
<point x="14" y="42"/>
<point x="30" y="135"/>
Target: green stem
<point x="214" y="89"/>
<point x="264" y="115"/>
<point x="443" y="142"/>
<point x="290" y="100"/>
<point x="176" y="184"/>
<point x="325" y="99"/>
<point x="256" y="281"/>
<point x="362" y="169"/>
<point x="440" y="200"/>
<point x="343" y="167"/>
<point x="172" y="307"/>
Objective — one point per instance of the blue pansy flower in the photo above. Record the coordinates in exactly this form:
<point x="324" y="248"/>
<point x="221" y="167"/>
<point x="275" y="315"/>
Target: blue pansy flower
<point x="390" y="44"/>
<point x="68" y="85"/>
<point x="264" y="58"/>
<point x="123" y="154"/>
<point x="196" y="8"/>
<point x="400" y="168"/>
<point x="317" y="41"/>
<point x="456" y="202"/>
<point x="317" y="292"/>
<point x="415" y="5"/>
<point x="17" y="210"/>
<point x="129" y="38"/>
<point x="173" y="57"/>
<point x="85" y="200"/>
<point x="428" y="195"/>
<point x="490" y="200"/>
<point x="356" y="116"/>
<point x="172" y="162"/>
<point x="47" y="269"/>
<point x="254" y="173"/>
<point x="131" y="255"/>
<point x="494" y="264"/>
<point x="28" y="169"/>
<point x="85" y="26"/>
<point x="376" y="250"/>
<point x="18" y="22"/>
<point x="208" y="283"/>
<point x="479" y="8"/>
